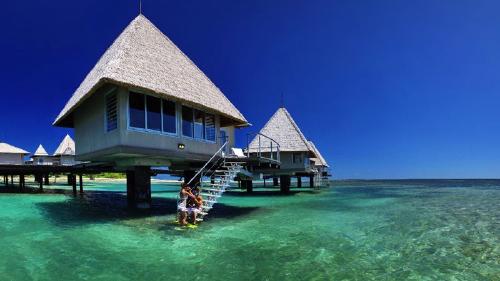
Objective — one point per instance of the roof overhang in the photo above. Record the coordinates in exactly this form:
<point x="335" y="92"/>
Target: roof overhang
<point x="66" y="120"/>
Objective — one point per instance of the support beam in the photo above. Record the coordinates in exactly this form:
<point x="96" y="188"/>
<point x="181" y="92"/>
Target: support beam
<point x="81" y="183"/>
<point x="285" y="183"/>
<point x="275" y="181"/>
<point x="139" y="187"/>
<point x="299" y="181"/>
<point x="22" y="182"/>
<point x="46" y="179"/>
<point x="264" y="182"/>
<point x="247" y="184"/>
<point x="73" y="183"/>
<point x="40" y="182"/>
<point x="311" y="181"/>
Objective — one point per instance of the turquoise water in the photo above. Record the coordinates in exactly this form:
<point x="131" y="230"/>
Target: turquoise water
<point x="365" y="230"/>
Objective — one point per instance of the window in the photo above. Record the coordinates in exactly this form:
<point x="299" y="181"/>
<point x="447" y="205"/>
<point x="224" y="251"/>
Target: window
<point x="199" y="124"/>
<point x="156" y="114"/>
<point x="111" y="113"/>
<point x="137" y="110"/>
<point x="153" y="106"/>
<point x="297" y="158"/>
<point x="187" y="121"/>
<point x="169" y="120"/>
<point x="209" y="127"/>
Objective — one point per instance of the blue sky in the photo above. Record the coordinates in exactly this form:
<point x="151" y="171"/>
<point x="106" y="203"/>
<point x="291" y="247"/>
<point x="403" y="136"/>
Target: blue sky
<point x="386" y="89"/>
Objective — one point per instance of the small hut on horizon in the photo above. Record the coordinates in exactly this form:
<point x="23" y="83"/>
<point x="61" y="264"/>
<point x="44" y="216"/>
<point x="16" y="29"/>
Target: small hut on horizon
<point x="41" y="157"/>
<point x="11" y="155"/>
<point x="65" y="152"/>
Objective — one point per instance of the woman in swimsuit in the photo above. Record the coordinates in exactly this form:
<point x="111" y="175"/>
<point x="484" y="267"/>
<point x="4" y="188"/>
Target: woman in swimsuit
<point x="184" y="194"/>
<point x="195" y="204"/>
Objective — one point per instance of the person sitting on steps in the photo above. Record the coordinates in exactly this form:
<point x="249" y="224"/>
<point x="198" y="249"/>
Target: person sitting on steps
<point x="184" y="194"/>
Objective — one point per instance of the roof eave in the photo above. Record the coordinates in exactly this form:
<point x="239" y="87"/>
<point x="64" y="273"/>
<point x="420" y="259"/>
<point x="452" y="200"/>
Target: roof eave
<point x="64" y="122"/>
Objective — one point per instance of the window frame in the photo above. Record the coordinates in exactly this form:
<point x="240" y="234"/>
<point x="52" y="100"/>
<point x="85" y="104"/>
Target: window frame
<point x="105" y="121"/>
<point x="204" y="129"/>
<point x="178" y="119"/>
<point x="152" y="131"/>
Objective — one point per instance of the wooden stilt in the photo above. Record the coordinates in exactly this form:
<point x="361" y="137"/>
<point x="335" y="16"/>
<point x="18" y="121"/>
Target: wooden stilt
<point x="73" y="183"/>
<point x="311" y="181"/>
<point x="248" y="185"/>
<point x="275" y="181"/>
<point x="40" y="184"/>
<point x="81" y="183"/>
<point x="299" y="181"/>
<point x="139" y="187"/>
<point x="46" y="179"/>
<point x="285" y="183"/>
<point x="21" y="182"/>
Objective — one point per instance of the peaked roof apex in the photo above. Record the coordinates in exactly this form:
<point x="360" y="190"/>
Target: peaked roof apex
<point x="66" y="147"/>
<point x="143" y="57"/>
<point x="40" y="151"/>
<point x="282" y="128"/>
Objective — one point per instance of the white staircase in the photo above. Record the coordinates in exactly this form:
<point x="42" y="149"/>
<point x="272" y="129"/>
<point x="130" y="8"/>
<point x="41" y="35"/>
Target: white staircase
<point x="220" y="170"/>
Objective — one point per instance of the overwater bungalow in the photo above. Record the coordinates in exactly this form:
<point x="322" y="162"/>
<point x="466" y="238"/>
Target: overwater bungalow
<point x="294" y="149"/>
<point x="146" y="104"/>
<point x="11" y="155"/>
<point x="65" y="152"/>
<point x="320" y="165"/>
<point x="41" y="157"/>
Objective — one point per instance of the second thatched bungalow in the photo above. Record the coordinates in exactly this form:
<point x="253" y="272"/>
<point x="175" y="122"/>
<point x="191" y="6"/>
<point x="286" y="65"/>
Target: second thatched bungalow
<point x="295" y="151"/>
<point x="41" y="157"/>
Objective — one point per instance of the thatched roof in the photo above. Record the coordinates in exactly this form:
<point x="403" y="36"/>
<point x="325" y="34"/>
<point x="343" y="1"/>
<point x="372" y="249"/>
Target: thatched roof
<point x="318" y="160"/>
<point x="283" y="129"/>
<point x="40" y="151"/>
<point x="143" y="57"/>
<point x="10" y="149"/>
<point x="66" y="147"/>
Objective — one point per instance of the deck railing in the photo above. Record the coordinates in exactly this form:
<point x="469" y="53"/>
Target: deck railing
<point x="266" y="146"/>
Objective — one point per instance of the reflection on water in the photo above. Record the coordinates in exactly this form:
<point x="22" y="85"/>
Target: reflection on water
<point x="358" y="230"/>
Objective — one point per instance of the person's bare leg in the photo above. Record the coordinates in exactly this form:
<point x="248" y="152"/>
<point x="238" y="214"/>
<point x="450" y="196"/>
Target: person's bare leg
<point x="194" y="217"/>
<point x="182" y="219"/>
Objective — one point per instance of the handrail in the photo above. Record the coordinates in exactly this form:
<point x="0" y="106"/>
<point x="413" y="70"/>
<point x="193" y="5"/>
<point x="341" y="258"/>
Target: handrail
<point x="206" y="164"/>
<point x="259" y="147"/>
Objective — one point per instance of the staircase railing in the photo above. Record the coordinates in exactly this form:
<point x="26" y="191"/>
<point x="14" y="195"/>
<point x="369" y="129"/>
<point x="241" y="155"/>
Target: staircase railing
<point x="199" y="172"/>
<point x="264" y="145"/>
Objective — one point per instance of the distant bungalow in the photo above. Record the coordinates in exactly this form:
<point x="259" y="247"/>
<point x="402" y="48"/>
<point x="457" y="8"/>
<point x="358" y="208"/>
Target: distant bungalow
<point x="41" y="157"/>
<point x="320" y="165"/>
<point x="65" y="152"/>
<point x="145" y="103"/>
<point x="11" y="155"/>
<point x="294" y="149"/>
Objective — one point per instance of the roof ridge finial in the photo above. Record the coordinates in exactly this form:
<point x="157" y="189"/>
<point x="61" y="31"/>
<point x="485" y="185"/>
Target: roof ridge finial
<point x="140" y="7"/>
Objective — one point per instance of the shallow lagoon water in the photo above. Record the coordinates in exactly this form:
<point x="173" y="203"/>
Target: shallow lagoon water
<point x="357" y="230"/>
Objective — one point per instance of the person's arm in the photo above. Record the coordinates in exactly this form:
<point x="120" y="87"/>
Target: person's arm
<point x="191" y="195"/>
